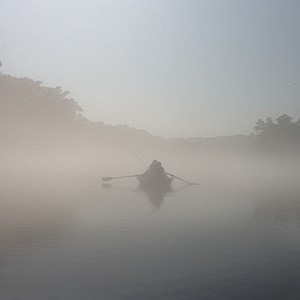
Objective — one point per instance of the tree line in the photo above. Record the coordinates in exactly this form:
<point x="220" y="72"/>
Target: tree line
<point x="279" y="134"/>
<point x="31" y="111"/>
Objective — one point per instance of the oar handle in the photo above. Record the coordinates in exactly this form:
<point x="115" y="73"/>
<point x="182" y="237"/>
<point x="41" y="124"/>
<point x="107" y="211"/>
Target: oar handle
<point x="129" y="176"/>
<point x="179" y="178"/>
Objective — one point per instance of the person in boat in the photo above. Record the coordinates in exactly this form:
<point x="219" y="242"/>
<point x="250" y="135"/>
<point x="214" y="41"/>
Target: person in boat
<point x="156" y="167"/>
<point x="155" y="180"/>
<point x="155" y="170"/>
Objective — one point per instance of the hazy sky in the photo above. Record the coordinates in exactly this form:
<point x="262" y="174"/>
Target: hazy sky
<point x="183" y="68"/>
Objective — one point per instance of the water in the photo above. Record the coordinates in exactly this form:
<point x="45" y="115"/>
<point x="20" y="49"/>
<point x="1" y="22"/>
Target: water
<point x="213" y="241"/>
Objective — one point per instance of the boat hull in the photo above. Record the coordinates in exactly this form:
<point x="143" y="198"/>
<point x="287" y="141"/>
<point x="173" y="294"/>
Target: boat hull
<point x="148" y="184"/>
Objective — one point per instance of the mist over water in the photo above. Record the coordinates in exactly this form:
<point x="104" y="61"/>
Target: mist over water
<point x="66" y="235"/>
<point x="226" y="227"/>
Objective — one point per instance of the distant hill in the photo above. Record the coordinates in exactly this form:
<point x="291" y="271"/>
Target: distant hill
<point x="33" y="116"/>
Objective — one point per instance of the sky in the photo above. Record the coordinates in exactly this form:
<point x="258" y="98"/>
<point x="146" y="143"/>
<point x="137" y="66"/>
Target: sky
<point x="171" y="67"/>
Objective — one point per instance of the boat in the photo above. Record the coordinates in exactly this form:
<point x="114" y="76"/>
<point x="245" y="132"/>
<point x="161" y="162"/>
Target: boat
<point x="155" y="180"/>
<point x="159" y="184"/>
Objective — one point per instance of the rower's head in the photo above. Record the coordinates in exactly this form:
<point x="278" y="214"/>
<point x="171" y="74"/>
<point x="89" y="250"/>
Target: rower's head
<point x="154" y="161"/>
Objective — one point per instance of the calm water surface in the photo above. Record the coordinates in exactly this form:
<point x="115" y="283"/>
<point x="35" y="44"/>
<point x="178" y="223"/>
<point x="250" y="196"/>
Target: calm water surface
<point x="201" y="242"/>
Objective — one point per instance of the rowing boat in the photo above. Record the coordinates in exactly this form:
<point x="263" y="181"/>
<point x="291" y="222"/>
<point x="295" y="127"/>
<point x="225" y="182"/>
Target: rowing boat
<point x="155" y="183"/>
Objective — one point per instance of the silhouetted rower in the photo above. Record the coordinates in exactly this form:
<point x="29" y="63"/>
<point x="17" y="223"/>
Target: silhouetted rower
<point x="155" y="178"/>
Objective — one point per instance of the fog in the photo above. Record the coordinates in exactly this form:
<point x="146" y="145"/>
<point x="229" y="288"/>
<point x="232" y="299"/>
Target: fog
<point x="171" y="168"/>
<point x="226" y="226"/>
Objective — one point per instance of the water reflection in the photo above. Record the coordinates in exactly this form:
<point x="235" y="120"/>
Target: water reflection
<point x="282" y="207"/>
<point x="156" y="196"/>
<point x="106" y="185"/>
<point x="34" y="220"/>
<point x="116" y="244"/>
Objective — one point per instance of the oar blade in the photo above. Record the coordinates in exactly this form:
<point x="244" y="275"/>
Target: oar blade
<point x="107" y="178"/>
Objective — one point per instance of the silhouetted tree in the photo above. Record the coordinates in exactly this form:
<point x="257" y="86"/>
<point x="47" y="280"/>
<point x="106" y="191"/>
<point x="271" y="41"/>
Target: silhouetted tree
<point x="283" y="134"/>
<point x="32" y="113"/>
<point x="25" y="99"/>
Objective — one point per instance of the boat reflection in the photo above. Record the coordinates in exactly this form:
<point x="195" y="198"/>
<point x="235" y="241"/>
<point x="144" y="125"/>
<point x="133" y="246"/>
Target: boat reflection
<point x="155" y="195"/>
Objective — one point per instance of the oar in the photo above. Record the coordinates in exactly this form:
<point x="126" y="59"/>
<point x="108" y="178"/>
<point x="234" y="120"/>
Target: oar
<point x="189" y="183"/>
<point x="111" y="178"/>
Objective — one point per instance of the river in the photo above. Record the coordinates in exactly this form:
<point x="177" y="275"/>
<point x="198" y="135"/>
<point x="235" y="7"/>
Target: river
<point x="208" y="241"/>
